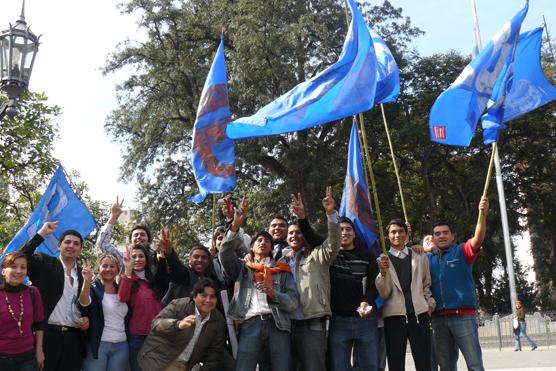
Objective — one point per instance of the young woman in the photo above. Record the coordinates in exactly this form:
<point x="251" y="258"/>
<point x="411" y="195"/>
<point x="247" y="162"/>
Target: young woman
<point x="21" y="316"/>
<point x="107" y="347"/>
<point x="137" y="288"/>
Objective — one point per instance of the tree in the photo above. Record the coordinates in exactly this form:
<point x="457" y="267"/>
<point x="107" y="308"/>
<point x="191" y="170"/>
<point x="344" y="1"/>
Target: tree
<point x="26" y="160"/>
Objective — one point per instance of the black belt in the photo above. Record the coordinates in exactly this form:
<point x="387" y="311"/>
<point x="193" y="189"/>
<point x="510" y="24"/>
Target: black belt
<point x="62" y="328"/>
<point x="262" y="317"/>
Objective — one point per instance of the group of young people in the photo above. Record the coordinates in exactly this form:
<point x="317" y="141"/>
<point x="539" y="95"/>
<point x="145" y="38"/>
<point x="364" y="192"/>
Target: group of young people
<point x="298" y="301"/>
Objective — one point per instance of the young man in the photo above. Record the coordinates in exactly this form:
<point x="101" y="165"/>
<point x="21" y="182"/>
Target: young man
<point x="265" y="294"/>
<point x="404" y="284"/>
<point x="522" y="330"/>
<point x="188" y="332"/>
<point x="59" y="281"/>
<point x="453" y="322"/>
<point x="353" y="326"/>
<point x="312" y="277"/>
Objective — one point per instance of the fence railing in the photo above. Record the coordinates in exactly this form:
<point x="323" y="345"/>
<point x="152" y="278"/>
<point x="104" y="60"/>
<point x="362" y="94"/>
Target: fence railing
<point x="497" y="332"/>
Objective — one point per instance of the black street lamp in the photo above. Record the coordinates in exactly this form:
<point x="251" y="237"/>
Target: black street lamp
<point x="18" y="48"/>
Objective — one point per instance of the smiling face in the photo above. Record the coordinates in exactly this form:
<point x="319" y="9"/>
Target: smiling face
<point x="139" y="237"/>
<point x="397" y="236"/>
<point x="205" y="301"/>
<point x="15" y="273"/>
<point x="199" y="260"/>
<point x="108" y="269"/>
<point x="278" y="229"/>
<point x="428" y="243"/>
<point x="70" y="247"/>
<point x="295" y="237"/>
<point x="347" y="235"/>
<point x="442" y="236"/>
<point x="139" y="260"/>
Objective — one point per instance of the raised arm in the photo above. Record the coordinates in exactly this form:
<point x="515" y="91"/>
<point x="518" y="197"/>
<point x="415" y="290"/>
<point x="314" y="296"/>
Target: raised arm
<point x="126" y="282"/>
<point x="104" y="240"/>
<point x="327" y="252"/>
<point x="30" y="246"/>
<point x="480" y="230"/>
<point x="309" y="234"/>
<point x="228" y="257"/>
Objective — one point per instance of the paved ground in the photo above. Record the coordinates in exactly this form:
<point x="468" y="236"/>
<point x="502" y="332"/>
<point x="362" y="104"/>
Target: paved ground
<point x="542" y="359"/>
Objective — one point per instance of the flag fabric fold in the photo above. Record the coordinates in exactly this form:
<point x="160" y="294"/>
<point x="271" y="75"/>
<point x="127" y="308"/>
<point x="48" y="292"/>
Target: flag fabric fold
<point x="455" y="113"/>
<point x="388" y="75"/>
<point x="523" y="88"/>
<point x="58" y="203"/>
<point x="213" y="157"/>
<point x="355" y="198"/>
<point x="345" y="88"/>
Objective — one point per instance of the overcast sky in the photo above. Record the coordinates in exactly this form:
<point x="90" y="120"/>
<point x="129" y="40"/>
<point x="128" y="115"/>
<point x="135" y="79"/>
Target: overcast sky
<point x="78" y="35"/>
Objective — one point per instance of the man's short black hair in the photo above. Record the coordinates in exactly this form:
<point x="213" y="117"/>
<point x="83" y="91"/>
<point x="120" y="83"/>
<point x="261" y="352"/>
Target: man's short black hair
<point x="265" y="234"/>
<point x="345" y="219"/>
<point x="200" y="285"/>
<point x="143" y="227"/>
<point x="200" y="247"/>
<point x="441" y="223"/>
<point x="398" y="222"/>
<point x="278" y="216"/>
<point x="70" y="232"/>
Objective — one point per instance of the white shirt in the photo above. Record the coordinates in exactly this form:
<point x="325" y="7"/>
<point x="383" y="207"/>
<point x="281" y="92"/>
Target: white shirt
<point x="114" y="319"/>
<point x="65" y="312"/>
<point x="400" y="254"/>
<point x="259" y="303"/>
<point x="185" y="356"/>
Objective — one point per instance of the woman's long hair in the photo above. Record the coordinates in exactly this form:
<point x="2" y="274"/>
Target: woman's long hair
<point x="149" y="276"/>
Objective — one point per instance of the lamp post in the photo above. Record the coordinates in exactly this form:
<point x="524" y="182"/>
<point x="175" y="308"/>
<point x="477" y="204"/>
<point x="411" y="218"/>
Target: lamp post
<point x="18" y="48"/>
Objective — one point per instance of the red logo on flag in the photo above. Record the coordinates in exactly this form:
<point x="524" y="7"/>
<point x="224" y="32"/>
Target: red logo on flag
<point x="439" y="132"/>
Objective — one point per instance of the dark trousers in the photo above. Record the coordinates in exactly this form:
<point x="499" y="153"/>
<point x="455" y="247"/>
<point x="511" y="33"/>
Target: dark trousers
<point x="397" y="330"/>
<point x="19" y="362"/>
<point x="63" y="350"/>
<point x="309" y="340"/>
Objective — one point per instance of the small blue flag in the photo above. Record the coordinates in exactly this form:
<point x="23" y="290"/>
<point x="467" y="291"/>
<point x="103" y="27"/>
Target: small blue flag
<point x="343" y="89"/>
<point x="455" y="113"/>
<point x="355" y="198"/>
<point x="213" y="157"/>
<point x="388" y="76"/>
<point x="519" y="92"/>
<point x="58" y="203"/>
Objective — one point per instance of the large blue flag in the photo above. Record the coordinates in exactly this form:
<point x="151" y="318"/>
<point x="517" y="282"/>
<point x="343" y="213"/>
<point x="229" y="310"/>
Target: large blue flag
<point x="455" y="113"/>
<point x="58" y="203"/>
<point x="343" y="89"/>
<point x="355" y="198"/>
<point x="523" y="88"/>
<point x="213" y="157"/>
<point x="388" y="76"/>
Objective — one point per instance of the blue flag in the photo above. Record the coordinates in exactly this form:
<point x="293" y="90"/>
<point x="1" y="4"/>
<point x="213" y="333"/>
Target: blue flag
<point x="343" y="89"/>
<point x="455" y="113"/>
<point x="355" y="198"/>
<point x="58" y="203"/>
<point x="388" y="76"/>
<point x="213" y="157"/>
<point x="523" y="88"/>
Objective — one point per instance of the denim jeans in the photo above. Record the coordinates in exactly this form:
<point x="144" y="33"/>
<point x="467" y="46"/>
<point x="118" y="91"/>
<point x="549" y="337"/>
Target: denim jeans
<point x="258" y="335"/>
<point x="135" y="345"/>
<point x="111" y="357"/>
<point x="309" y="342"/>
<point x="359" y="334"/>
<point x="457" y="331"/>
<point x="19" y="362"/>
<point x="523" y="332"/>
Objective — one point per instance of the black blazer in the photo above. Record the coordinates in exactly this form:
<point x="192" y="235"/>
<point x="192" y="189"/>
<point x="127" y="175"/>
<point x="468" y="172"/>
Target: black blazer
<point x="47" y="274"/>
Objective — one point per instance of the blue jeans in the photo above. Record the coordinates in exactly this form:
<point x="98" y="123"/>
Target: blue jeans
<point x="256" y="336"/>
<point x="359" y="334"/>
<point x="523" y="332"/>
<point x="111" y="357"/>
<point x="457" y="331"/>
<point x="135" y="345"/>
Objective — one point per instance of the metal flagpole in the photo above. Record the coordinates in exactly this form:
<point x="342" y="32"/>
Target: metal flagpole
<point x="394" y="162"/>
<point x="499" y="185"/>
<point x="549" y="41"/>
